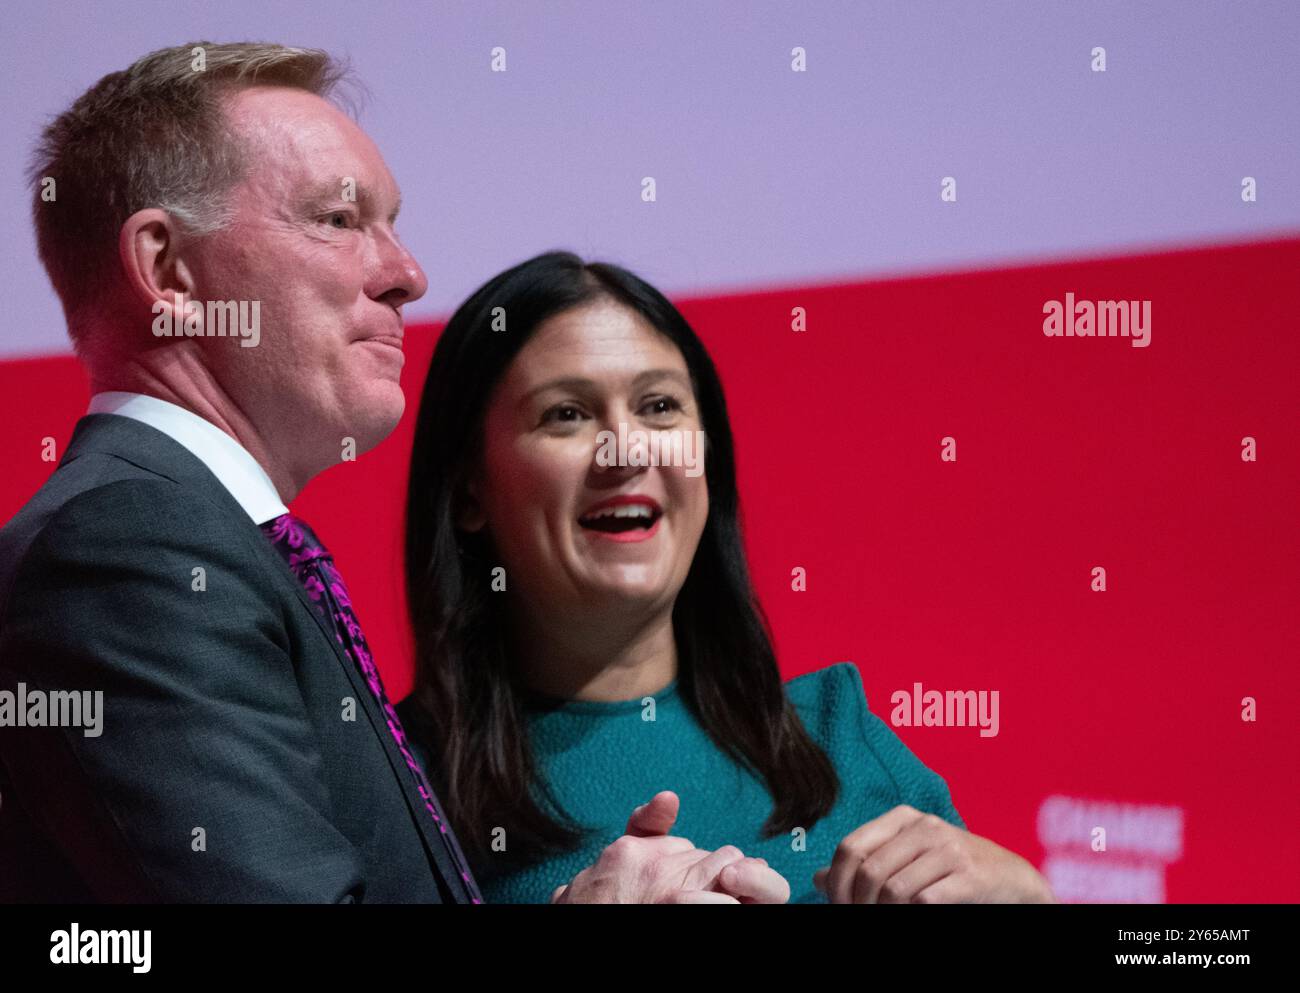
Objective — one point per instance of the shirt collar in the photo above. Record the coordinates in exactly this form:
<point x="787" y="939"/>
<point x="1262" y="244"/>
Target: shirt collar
<point x="227" y="459"/>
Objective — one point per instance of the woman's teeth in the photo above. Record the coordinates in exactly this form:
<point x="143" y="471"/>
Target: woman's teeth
<point x="623" y="518"/>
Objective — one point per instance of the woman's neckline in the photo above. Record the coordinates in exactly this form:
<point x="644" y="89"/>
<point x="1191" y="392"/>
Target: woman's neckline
<point x="535" y="700"/>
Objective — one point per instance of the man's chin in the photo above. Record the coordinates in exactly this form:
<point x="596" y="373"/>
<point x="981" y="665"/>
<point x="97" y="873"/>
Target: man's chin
<point x="380" y="416"/>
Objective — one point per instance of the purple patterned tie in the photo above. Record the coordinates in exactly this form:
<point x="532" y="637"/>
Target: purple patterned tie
<point x="312" y="563"/>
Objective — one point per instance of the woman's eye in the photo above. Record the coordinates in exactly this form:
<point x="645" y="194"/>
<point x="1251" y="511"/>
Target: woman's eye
<point x="662" y="405"/>
<point x="564" y="414"/>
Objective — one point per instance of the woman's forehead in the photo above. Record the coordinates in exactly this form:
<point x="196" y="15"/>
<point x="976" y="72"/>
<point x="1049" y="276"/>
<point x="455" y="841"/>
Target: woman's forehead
<point x="608" y="342"/>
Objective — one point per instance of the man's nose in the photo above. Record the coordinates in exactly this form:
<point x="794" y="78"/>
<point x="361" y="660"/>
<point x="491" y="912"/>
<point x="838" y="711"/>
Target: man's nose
<point x="399" y="277"/>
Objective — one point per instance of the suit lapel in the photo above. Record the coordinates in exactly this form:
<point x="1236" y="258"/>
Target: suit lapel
<point x="151" y="449"/>
<point x="378" y="723"/>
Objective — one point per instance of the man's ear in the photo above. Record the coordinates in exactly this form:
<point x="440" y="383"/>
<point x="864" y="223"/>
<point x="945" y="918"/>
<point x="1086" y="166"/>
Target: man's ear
<point x="149" y="249"/>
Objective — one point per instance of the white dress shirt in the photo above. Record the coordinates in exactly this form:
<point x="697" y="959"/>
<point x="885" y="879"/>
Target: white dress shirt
<point x="227" y="459"/>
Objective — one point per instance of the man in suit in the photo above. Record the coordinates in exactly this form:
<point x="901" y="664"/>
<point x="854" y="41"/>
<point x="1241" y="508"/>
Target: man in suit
<point x="248" y="749"/>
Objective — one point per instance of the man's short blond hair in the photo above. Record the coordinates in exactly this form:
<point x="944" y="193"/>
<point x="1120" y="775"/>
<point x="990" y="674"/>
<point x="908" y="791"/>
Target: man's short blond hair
<point x="153" y="135"/>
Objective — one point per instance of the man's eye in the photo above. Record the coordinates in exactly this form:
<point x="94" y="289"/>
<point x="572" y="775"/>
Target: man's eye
<point x="339" y="219"/>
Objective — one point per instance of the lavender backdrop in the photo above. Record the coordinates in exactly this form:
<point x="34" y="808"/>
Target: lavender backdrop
<point x="764" y="175"/>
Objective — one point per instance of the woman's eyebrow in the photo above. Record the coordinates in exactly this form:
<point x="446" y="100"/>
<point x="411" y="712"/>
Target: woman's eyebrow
<point x="577" y="384"/>
<point x="650" y="375"/>
<point x="581" y="384"/>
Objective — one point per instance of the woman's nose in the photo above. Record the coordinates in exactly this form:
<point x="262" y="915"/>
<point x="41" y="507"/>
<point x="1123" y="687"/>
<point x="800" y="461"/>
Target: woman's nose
<point x="620" y="448"/>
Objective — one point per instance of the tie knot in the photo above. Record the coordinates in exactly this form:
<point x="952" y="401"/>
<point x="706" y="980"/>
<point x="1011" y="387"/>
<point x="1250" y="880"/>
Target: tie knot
<point x="294" y="539"/>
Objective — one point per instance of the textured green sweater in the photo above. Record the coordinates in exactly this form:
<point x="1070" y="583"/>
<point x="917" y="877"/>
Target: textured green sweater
<point x="604" y="759"/>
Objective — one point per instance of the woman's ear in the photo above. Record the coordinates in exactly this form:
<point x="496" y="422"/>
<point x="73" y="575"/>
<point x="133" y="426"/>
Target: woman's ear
<point x="469" y="510"/>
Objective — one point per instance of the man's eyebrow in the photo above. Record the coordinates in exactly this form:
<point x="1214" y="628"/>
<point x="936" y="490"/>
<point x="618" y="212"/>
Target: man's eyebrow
<point x="325" y="193"/>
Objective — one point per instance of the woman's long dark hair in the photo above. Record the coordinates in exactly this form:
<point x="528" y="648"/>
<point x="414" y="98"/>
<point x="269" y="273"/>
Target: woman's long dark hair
<point x="468" y="699"/>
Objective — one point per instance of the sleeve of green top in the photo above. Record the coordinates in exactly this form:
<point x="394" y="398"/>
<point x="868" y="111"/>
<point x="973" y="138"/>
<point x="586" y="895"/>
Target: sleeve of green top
<point x="918" y="785"/>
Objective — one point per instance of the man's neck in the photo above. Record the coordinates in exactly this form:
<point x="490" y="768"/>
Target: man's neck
<point x="195" y="390"/>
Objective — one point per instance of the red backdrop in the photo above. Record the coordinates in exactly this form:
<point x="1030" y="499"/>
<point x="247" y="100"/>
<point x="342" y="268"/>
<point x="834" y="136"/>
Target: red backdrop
<point x="976" y="574"/>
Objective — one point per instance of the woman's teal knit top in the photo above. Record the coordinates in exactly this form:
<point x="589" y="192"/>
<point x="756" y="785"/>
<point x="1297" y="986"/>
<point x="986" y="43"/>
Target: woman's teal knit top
<point x="601" y="760"/>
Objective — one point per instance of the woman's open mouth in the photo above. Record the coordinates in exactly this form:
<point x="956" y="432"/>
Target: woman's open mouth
<point x="623" y="518"/>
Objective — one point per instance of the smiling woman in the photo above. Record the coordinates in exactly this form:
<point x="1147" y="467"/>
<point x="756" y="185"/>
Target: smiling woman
<point x="626" y="653"/>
